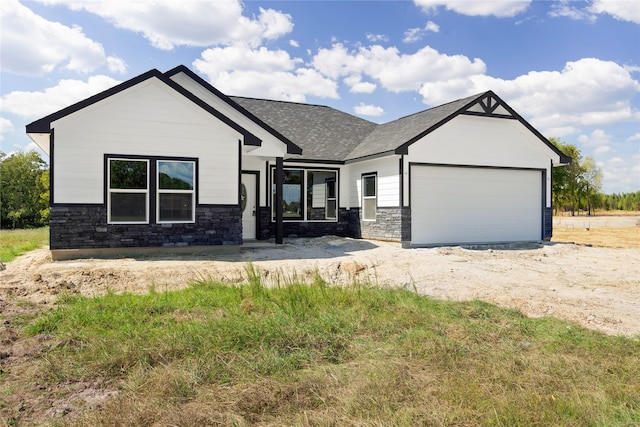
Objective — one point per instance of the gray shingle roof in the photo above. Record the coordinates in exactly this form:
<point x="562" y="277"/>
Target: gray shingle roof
<point x="390" y="136"/>
<point x="323" y="133"/>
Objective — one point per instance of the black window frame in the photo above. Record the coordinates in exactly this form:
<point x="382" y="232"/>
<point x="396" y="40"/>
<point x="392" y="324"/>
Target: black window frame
<point x="152" y="187"/>
<point x="304" y="217"/>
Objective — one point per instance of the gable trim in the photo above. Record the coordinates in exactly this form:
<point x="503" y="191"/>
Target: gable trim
<point x="489" y="102"/>
<point x="291" y="147"/>
<point x="43" y="125"/>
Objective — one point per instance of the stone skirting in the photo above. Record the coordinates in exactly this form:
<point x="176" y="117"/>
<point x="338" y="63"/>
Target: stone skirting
<point x="85" y="226"/>
<point x="548" y="223"/>
<point x="342" y="227"/>
<point x="393" y="224"/>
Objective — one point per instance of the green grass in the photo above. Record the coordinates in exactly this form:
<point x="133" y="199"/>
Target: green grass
<point x="14" y="243"/>
<point x="215" y="354"/>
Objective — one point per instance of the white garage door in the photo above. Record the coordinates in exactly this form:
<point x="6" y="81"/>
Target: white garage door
<point x="474" y="205"/>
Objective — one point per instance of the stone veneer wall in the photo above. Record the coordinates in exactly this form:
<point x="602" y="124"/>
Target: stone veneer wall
<point x="548" y="223"/>
<point x="85" y="227"/>
<point x="392" y="224"/>
<point x="342" y="227"/>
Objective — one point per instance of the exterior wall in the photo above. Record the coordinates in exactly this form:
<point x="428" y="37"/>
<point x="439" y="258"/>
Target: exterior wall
<point x="85" y="227"/>
<point x="392" y="224"/>
<point x="149" y="119"/>
<point x="342" y="227"/>
<point x="271" y="146"/>
<point x="387" y="170"/>
<point x="481" y="141"/>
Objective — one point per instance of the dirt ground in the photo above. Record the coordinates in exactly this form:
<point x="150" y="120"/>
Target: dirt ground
<point x="597" y="287"/>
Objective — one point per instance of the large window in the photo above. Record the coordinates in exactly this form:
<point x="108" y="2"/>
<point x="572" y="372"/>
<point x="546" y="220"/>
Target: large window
<point x="128" y="191"/>
<point x="176" y="201"/>
<point x="369" y="197"/>
<point x="137" y="187"/>
<point x="308" y="195"/>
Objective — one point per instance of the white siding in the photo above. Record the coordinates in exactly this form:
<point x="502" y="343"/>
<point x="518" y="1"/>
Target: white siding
<point x="149" y="119"/>
<point x="271" y="146"/>
<point x="472" y="140"/>
<point x="387" y="169"/>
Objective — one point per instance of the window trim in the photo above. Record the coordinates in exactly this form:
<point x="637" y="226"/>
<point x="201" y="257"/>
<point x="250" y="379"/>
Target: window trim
<point x="152" y="183"/>
<point x="304" y="169"/>
<point x="365" y="176"/>
<point x="171" y="191"/>
<point x="327" y="199"/>
<point x="128" y="191"/>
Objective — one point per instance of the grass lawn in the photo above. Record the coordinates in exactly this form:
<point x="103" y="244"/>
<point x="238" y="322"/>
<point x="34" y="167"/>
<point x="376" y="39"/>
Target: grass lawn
<point x="216" y="354"/>
<point x="14" y="243"/>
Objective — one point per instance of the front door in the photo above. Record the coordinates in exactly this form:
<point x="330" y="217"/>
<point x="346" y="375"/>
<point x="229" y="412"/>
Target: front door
<point x="248" y="204"/>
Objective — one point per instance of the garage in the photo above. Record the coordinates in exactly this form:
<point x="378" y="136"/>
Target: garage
<point x="452" y="204"/>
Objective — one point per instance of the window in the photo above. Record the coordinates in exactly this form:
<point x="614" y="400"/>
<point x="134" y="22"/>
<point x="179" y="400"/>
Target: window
<point x="332" y="205"/>
<point x="369" y="197"/>
<point x="136" y="188"/>
<point x="128" y="191"/>
<point x="308" y="195"/>
<point x="176" y="195"/>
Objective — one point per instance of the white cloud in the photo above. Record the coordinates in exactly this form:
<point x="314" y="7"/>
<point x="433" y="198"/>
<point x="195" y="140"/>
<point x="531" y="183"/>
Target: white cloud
<point x="634" y="137"/>
<point x="241" y="70"/>
<point x="368" y="110"/>
<point x="567" y="9"/>
<point x="561" y="131"/>
<point x="504" y="8"/>
<point x="597" y="138"/>
<point x="621" y="175"/>
<point x="33" y="105"/>
<point x="218" y="60"/>
<point x="5" y="127"/>
<point x="169" y="23"/>
<point x="356" y="85"/>
<point x="623" y="10"/>
<point x="294" y="43"/>
<point x="415" y="34"/>
<point x="395" y="71"/>
<point x="377" y="38"/>
<point x="602" y="150"/>
<point x="586" y="92"/>
<point x="116" y="65"/>
<point x="33" y="46"/>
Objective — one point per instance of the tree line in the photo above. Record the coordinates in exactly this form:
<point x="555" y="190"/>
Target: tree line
<point x="577" y="187"/>
<point x="24" y="188"/>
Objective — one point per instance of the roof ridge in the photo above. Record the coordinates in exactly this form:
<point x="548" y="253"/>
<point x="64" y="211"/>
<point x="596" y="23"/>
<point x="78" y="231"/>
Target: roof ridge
<point x="284" y="102"/>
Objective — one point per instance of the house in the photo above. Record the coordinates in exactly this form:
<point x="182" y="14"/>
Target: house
<point x="165" y="159"/>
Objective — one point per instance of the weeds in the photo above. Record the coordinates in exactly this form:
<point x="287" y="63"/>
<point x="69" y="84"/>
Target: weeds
<point x="312" y="354"/>
<point x="14" y="243"/>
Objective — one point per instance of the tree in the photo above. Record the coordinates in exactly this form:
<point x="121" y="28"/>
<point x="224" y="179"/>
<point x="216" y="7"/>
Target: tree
<point x="591" y="182"/>
<point x="24" y="200"/>
<point x="565" y="185"/>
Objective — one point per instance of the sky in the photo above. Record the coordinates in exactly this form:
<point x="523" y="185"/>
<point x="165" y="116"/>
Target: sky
<point x="570" y="68"/>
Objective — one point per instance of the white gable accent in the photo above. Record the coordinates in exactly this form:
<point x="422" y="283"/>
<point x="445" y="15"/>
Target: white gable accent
<point x="484" y="141"/>
<point x="148" y="119"/>
<point x="270" y="147"/>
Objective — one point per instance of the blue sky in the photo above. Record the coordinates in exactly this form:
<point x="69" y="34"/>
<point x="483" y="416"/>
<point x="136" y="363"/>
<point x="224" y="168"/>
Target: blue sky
<point x="571" y="68"/>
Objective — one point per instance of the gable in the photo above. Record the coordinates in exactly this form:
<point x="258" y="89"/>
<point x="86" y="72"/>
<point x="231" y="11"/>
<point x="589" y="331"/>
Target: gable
<point x="216" y="99"/>
<point x="473" y="139"/>
<point x="39" y="129"/>
<point x="149" y="119"/>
